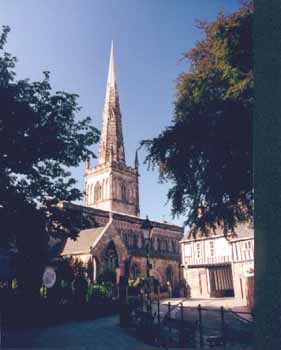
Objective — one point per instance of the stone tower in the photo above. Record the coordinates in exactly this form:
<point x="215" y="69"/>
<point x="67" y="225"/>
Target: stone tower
<point x="111" y="184"/>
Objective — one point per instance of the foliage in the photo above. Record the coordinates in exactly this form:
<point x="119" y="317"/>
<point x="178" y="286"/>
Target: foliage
<point x="14" y="284"/>
<point x="43" y="292"/>
<point x="135" y="282"/>
<point x="68" y="268"/>
<point x="72" y="273"/>
<point x="99" y="290"/>
<point x="39" y="139"/>
<point x="206" y="153"/>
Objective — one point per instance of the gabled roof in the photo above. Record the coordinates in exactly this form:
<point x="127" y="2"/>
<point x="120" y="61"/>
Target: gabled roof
<point x="85" y="240"/>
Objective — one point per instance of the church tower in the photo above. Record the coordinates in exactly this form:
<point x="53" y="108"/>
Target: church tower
<point x="111" y="184"/>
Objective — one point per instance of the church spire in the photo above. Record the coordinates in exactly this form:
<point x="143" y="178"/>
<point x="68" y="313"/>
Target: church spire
<point x="111" y="147"/>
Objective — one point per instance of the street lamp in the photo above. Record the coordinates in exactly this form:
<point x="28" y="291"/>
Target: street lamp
<point x="147" y="234"/>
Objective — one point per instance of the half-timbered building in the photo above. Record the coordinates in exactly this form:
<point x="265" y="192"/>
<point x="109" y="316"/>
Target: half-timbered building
<point x="219" y="265"/>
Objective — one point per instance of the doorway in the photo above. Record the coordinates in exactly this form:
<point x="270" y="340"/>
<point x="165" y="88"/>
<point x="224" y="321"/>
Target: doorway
<point x="221" y="281"/>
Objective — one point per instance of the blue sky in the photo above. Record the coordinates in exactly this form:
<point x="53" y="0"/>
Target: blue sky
<point x="71" y="39"/>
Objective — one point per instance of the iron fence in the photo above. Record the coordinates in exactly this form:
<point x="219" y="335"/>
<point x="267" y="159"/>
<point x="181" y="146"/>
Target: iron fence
<point x="195" y="327"/>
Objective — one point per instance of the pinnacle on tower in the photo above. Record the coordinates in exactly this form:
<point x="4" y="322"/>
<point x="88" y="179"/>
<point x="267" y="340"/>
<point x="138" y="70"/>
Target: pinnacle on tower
<point x="137" y="160"/>
<point x="87" y="164"/>
<point x="111" y="144"/>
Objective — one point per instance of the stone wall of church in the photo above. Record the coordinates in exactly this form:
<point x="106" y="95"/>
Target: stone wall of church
<point x="159" y="269"/>
<point x="100" y="250"/>
<point x="125" y="233"/>
<point x="129" y="243"/>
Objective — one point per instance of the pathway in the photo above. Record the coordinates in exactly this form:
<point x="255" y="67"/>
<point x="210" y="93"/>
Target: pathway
<point x="100" y="334"/>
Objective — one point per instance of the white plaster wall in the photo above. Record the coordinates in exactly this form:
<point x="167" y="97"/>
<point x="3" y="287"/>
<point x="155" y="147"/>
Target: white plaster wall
<point x="221" y="245"/>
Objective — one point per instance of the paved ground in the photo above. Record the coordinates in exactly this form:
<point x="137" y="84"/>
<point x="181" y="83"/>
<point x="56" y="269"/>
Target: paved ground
<point x="215" y="303"/>
<point x="239" y="326"/>
<point x="100" y="334"/>
<point x="105" y="334"/>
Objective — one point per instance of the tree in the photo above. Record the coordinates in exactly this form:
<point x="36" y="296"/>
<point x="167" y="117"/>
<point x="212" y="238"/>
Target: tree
<point x="206" y="153"/>
<point x="39" y="139"/>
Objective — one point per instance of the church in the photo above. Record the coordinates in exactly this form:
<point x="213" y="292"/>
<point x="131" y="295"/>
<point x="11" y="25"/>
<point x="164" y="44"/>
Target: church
<point x="116" y="242"/>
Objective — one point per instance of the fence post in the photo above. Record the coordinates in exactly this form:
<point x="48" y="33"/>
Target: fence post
<point x="141" y="299"/>
<point x="169" y="316"/>
<point x="200" y="326"/>
<point x="158" y="311"/>
<point x="222" y="325"/>
<point x="182" y="325"/>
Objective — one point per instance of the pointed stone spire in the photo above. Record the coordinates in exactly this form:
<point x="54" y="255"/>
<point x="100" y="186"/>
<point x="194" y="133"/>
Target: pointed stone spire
<point x="111" y="144"/>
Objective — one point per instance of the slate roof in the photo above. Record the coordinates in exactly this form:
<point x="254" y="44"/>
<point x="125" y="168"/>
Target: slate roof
<point x="242" y="231"/>
<point x="85" y="240"/>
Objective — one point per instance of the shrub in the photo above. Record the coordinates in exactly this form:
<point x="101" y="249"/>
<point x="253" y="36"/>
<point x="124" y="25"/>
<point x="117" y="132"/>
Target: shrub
<point x="99" y="290"/>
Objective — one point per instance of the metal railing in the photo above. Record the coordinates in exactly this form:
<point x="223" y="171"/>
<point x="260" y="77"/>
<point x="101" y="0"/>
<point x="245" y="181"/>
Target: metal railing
<point x="213" y="326"/>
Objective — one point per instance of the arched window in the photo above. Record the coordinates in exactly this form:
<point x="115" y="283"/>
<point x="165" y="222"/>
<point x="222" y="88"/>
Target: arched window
<point x="125" y="239"/>
<point x="155" y="244"/>
<point x="97" y="192"/>
<point x="159" y="244"/>
<point x="170" y="245"/>
<point x="135" y="271"/>
<point x="163" y="245"/>
<point x="128" y="195"/>
<point x="111" y="257"/>
<point x="123" y="193"/>
<point x="169" y="274"/>
<point x="139" y="241"/>
<point x="131" y="240"/>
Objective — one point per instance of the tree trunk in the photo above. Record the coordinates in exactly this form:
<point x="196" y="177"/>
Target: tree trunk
<point x="267" y="173"/>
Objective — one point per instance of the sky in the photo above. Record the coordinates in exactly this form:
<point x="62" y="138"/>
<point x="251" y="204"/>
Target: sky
<point x="71" y="39"/>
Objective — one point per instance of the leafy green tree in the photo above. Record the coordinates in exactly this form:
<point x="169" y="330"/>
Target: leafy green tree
<point x="206" y="153"/>
<point x="40" y="138"/>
